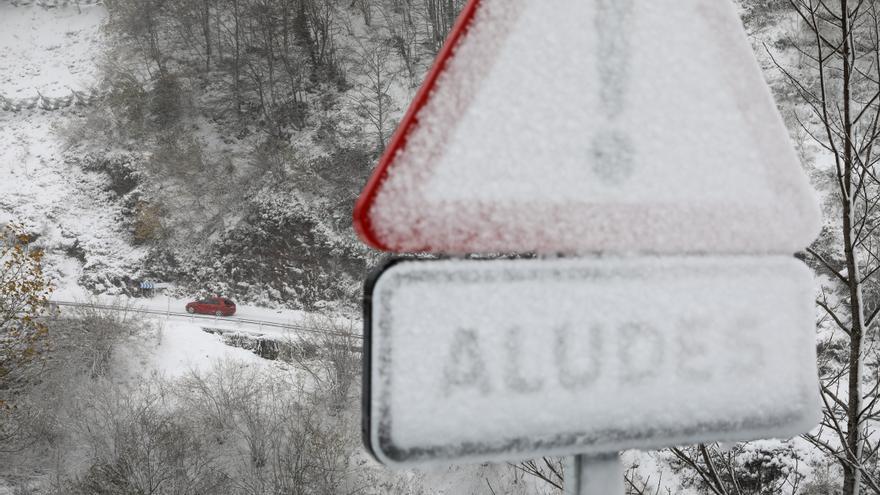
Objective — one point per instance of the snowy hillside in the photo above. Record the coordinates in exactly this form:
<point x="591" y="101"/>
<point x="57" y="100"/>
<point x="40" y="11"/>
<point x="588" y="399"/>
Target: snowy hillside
<point x="50" y="83"/>
<point x="51" y="55"/>
<point x="49" y="52"/>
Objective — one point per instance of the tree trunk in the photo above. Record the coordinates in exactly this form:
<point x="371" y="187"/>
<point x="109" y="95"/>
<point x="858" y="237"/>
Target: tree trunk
<point x="852" y="472"/>
<point x="206" y="31"/>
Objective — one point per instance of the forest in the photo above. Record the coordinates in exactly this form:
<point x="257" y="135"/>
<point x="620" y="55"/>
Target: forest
<point x="241" y="132"/>
<point x="234" y="137"/>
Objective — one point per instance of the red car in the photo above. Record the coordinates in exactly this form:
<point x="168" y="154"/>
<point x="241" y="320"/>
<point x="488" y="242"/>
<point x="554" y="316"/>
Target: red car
<point x="217" y="306"/>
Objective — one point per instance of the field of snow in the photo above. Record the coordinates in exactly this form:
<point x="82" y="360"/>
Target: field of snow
<point x="48" y="51"/>
<point x="180" y="347"/>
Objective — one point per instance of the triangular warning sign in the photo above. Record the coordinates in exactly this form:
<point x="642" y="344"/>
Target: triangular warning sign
<point x="592" y="125"/>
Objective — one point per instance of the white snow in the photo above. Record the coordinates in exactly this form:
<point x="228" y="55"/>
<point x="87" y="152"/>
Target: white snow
<point x="52" y="52"/>
<point x="500" y="360"/>
<point x="181" y="347"/>
<point x="48" y="51"/>
<point x="59" y="201"/>
<point x="560" y="130"/>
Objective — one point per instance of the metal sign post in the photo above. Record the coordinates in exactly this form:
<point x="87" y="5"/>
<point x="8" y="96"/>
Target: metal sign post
<point x="594" y="475"/>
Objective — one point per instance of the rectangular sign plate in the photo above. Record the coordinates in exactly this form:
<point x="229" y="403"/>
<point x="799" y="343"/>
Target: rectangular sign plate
<point x="511" y="359"/>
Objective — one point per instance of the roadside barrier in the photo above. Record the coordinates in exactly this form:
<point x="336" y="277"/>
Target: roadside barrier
<point x="54" y="4"/>
<point x="232" y="319"/>
<point x="48" y="103"/>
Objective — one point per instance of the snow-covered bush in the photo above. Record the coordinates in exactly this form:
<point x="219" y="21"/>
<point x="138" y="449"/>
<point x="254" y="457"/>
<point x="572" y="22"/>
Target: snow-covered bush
<point x="332" y="355"/>
<point x="759" y="13"/>
<point x="148" y="224"/>
<point x="79" y="351"/>
<point x="137" y="442"/>
<point x="758" y="468"/>
<point x="123" y="170"/>
<point x="282" y="253"/>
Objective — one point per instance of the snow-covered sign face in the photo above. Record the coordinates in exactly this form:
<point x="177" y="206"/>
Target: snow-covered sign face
<point x="602" y="125"/>
<point x="506" y="360"/>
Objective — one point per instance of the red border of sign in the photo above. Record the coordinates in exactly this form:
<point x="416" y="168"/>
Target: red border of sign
<point x="410" y="119"/>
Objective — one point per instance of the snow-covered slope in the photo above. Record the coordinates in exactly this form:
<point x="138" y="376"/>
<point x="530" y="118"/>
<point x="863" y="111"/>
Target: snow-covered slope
<point x="47" y="54"/>
<point x="181" y="347"/>
<point x="48" y="51"/>
<point x="68" y="208"/>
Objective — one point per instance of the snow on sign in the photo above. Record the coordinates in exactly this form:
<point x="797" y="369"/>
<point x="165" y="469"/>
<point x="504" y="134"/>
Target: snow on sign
<point x="505" y="360"/>
<point x="643" y="134"/>
<point x="591" y="126"/>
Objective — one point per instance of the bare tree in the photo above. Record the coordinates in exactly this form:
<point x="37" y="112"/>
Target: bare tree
<point x="547" y="469"/>
<point x="741" y="469"/>
<point x="366" y="8"/>
<point x="372" y="96"/>
<point x="331" y="354"/>
<point x="440" y="16"/>
<point x="839" y="88"/>
<point x="637" y="485"/>
<point x="321" y="16"/>
<point x="141" y="21"/>
<point x="404" y="37"/>
<point x="229" y="32"/>
<point x="273" y="432"/>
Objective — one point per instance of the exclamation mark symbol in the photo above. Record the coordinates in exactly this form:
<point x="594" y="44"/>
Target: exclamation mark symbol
<point x="612" y="145"/>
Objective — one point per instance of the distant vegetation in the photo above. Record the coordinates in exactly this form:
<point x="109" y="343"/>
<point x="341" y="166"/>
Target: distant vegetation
<point x="88" y="420"/>
<point x="238" y="133"/>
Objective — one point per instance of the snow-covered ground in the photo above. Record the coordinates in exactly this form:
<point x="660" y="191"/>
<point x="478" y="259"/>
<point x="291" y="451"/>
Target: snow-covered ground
<point x="180" y="347"/>
<point x="48" y="51"/>
<point x="59" y="202"/>
<point x="51" y="52"/>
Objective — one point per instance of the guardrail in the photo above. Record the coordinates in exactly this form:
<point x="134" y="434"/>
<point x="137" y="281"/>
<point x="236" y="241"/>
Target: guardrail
<point x="54" y="4"/>
<point x="192" y="316"/>
<point x="78" y="98"/>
